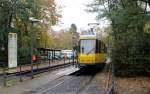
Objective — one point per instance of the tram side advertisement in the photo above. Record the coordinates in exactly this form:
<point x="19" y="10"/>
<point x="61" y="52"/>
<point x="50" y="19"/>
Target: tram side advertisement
<point x="12" y="50"/>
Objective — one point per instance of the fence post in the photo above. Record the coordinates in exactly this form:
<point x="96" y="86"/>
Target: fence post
<point x="31" y="71"/>
<point x="49" y="63"/>
<point x="20" y="73"/>
<point x="73" y="56"/>
<point x="5" y="75"/>
<point x="64" y="60"/>
<point x="37" y="64"/>
<point x="52" y="57"/>
<point x="37" y="68"/>
<point x="48" y="58"/>
<point x="113" y="78"/>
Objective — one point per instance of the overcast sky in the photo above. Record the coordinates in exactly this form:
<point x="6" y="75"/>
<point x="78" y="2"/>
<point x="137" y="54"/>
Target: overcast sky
<point x="73" y="11"/>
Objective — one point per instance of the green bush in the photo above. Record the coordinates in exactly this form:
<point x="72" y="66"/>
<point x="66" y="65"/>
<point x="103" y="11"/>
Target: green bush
<point x="132" y="57"/>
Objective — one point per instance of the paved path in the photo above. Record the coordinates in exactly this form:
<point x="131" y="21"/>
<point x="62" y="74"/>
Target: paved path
<point x="29" y="85"/>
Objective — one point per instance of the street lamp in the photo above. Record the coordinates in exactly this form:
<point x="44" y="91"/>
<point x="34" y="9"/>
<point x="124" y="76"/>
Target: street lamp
<point x="32" y="21"/>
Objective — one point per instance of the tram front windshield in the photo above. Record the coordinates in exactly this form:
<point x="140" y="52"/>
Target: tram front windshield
<point x="87" y="46"/>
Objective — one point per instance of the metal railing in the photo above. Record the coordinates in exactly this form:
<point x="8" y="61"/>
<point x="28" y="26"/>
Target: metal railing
<point x="109" y="87"/>
<point x="29" y="70"/>
<point x="110" y="90"/>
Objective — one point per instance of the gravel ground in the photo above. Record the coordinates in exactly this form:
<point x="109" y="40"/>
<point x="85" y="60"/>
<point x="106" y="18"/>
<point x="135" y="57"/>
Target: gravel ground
<point x="81" y="82"/>
<point x="1" y="80"/>
<point x="134" y="85"/>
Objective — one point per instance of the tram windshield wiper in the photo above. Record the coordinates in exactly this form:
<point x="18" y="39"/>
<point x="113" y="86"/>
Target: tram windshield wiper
<point x="90" y="51"/>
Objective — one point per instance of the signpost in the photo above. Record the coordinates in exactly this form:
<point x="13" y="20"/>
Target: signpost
<point x="12" y="50"/>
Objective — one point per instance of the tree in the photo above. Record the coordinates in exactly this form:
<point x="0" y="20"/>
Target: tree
<point x="75" y="36"/>
<point x="14" y="17"/>
<point x="128" y="19"/>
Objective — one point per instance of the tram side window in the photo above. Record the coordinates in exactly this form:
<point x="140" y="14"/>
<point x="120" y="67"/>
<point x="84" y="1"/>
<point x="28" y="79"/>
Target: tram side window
<point x="105" y="49"/>
<point x="98" y="46"/>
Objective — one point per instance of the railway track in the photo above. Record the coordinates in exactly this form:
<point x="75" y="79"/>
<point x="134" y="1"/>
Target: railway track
<point x="83" y="81"/>
<point x="74" y="83"/>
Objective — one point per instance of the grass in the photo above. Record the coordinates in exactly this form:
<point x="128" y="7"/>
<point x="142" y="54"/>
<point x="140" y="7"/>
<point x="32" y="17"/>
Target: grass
<point x="11" y="82"/>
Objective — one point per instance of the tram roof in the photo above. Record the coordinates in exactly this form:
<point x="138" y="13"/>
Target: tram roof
<point x="88" y="37"/>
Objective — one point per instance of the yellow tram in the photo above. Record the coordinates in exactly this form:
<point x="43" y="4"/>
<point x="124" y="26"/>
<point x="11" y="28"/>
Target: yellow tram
<point x="92" y="51"/>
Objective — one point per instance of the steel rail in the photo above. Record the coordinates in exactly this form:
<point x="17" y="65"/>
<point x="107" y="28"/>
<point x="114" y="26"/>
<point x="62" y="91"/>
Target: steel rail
<point x="60" y="83"/>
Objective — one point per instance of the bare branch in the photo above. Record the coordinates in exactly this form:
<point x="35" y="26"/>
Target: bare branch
<point x="123" y="4"/>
